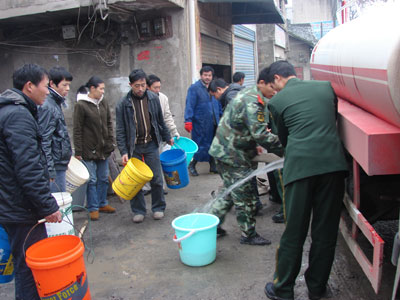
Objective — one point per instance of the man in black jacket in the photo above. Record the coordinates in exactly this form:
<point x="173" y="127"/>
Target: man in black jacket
<point x="56" y="143"/>
<point x="24" y="181"/>
<point x="223" y="92"/>
<point x="140" y="129"/>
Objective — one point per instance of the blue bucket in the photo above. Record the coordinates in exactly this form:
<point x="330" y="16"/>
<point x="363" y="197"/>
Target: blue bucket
<point x="196" y="235"/>
<point x="187" y="145"/>
<point x="173" y="163"/>
<point x="6" y="261"/>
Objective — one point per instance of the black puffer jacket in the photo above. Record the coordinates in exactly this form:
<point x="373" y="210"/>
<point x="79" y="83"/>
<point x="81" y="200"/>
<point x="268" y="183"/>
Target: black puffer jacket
<point x="56" y="143"/>
<point x="24" y="182"/>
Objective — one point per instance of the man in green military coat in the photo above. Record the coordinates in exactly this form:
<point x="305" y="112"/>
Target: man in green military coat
<point x="241" y="129"/>
<point x="305" y="115"/>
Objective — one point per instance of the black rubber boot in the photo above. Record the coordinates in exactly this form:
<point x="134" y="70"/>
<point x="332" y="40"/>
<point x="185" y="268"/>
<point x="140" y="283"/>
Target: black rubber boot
<point x="192" y="168"/>
<point x="256" y="240"/>
<point x="220" y="232"/>
<point x="213" y="168"/>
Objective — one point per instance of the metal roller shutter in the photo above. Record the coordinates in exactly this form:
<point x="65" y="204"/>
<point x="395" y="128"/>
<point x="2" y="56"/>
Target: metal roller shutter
<point x="214" y="51"/>
<point x="244" y="59"/>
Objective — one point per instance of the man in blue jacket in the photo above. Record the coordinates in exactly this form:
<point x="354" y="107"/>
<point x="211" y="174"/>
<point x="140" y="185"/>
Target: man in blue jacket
<point x="202" y="113"/>
<point x="56" y="143"/>
<point x="140" y="130"/>
<point x="24" y="182"/>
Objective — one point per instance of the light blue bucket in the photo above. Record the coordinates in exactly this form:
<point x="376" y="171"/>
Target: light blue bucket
<point x="196" y="235"/>
<point x="187" y="145"/>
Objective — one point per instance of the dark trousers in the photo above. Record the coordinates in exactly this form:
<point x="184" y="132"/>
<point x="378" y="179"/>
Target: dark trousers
<point x="322" y="197"/>
<point x="25" y="287"/>
<point x="149" y="152"/>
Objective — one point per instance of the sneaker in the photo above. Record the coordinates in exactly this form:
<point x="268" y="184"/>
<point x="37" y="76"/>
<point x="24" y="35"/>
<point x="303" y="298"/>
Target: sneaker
<point x="165" y="192"/>
<point x="255" y="240"/>
<point x="158" y="215"/>
<point x="107" y="209"/>
<point x="220" y="232"/>
<point x="138" y="218"/>
<point x="94" y="215"/>
<point x="325" y="295"/>
<point x="278" y="218"/>
<point x="146" y="192"/>
<point x="270" y="292"/>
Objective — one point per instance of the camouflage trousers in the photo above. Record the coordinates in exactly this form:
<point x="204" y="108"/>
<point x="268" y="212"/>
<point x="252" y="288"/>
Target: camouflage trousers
<point x="243" y="198"/>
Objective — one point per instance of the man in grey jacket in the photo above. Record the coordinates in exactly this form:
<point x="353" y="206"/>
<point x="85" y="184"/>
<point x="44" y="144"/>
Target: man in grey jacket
<point x="140" y="130"/>
<point x="56" y="143"/>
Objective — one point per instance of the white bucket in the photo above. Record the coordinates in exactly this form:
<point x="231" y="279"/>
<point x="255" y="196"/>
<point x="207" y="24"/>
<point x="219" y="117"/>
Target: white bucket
<point x="76" y="175"/>
<point x="66" y="227"/>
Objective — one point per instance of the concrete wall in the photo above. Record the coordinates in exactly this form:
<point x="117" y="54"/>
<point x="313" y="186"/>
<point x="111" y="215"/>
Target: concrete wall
<point x="167" y="58"/>
<point x="265" y="45"/>
<point x="313" y="11"/>
<point x="299" y="56"/>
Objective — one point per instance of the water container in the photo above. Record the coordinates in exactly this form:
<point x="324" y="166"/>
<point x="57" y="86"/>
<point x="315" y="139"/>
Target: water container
<point x="187" y="145"/>
<point x="76" y="175"/>
<point x="175" y="170"/>
<point x="196" y="235"/>
<point x="6" y="261"/>
<point x="64" y="201"/>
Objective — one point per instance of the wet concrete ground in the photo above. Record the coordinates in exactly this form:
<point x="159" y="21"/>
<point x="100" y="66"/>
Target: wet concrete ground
<point x="140" y="261"/>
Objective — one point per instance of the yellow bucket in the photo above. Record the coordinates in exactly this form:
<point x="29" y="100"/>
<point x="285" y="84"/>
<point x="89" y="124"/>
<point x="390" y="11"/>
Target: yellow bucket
<point x="132" y="178"/>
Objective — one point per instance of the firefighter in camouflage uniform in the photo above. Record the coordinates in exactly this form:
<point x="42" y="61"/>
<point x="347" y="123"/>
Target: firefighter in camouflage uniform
<point x="241" y="129"/>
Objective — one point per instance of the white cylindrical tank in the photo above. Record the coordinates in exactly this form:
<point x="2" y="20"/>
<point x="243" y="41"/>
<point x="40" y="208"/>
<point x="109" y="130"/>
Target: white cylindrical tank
<point x="362" y="61"/>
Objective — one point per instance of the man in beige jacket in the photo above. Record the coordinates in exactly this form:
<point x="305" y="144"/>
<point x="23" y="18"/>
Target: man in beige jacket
<point x="154" y="85"/>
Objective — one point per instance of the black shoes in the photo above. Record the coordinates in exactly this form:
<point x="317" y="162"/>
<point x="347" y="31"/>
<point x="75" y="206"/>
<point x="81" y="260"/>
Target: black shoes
<point x="192" y="168"/>
<point x="278" y="218"/>
<point x="270" y="292"/>
<point x="325" y="295"/>
<point x="255" y="240"/>
<point x="259" y="207"/>
<point x="213" y="167"/>
<point x="220" y="232"/>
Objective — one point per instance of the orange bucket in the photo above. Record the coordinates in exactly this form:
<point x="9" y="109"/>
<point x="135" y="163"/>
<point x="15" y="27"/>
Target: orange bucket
<point x="58" y="268"/>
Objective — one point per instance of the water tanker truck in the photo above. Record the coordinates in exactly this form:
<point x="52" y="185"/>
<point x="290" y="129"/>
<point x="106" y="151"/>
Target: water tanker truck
<point x="361" y="59"/>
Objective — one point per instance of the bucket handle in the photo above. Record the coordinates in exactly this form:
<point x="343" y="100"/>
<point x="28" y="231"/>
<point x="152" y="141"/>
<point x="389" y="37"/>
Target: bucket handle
<point x="193" y="231"/>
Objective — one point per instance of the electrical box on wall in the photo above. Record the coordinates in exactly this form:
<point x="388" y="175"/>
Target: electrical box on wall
<point x="68" y="32"/>
<point x="159" y="27"/>
<point x="154" y="28"/>
<point x="145" y="29"/>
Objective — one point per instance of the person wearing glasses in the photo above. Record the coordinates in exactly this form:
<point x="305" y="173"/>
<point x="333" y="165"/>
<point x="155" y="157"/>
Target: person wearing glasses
<point x="140" y="129"/>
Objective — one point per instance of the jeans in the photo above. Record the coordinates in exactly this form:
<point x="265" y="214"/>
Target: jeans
<point x="59" y="184"/>
<point x="96" y="195"/>
<point x="149" y="152"/>
<point x="25" y="286"/>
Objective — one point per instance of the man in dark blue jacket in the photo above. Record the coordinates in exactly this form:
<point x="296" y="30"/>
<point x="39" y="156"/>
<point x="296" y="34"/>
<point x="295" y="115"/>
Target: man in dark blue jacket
<point x="140" y="130"/>
<point x="202" y="113"/>
<point x="56" y="143"/>
<point x="24" y="182"/>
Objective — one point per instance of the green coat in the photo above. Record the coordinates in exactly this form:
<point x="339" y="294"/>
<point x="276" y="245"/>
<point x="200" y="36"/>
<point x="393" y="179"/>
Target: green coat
<point x="304" y="113"/>
<point x="242" y="127"/>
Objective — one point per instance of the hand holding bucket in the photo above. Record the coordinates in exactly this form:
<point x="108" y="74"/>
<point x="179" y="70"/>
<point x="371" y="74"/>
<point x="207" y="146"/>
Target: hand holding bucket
<point x="132" y="178"/>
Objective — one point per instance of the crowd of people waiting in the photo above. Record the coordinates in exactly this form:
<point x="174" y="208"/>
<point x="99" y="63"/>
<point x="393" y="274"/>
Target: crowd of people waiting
<point x="231" y="124"/>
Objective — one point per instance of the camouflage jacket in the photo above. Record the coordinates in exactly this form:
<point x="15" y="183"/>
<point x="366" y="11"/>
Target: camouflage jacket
<point x="242" y="127"/>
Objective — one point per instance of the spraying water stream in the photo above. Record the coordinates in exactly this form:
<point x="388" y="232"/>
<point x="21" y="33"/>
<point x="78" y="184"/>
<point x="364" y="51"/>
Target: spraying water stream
<point x="278" y="164"/>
